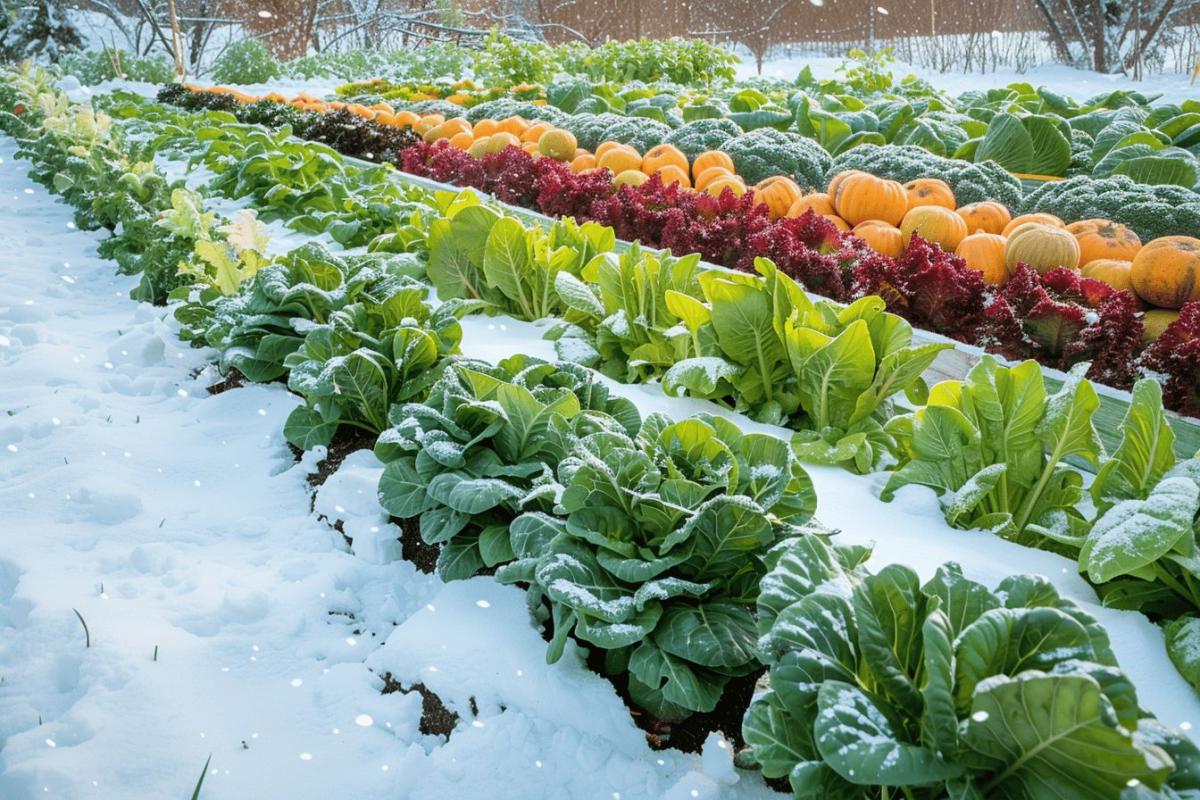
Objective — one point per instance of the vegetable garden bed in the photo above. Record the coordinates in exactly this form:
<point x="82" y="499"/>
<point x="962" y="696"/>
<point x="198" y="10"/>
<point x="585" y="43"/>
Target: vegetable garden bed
<point x="683" y="551"/>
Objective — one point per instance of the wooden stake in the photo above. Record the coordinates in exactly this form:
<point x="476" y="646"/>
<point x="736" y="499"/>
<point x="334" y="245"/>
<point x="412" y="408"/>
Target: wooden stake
<point x="176" y="41"/>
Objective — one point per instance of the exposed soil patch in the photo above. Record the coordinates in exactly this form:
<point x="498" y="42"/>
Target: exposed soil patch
<point x="413" y="548"/>
<point x="436" y="719"/>
<point x="346" y="441"/>
<point x="233" y="379"/>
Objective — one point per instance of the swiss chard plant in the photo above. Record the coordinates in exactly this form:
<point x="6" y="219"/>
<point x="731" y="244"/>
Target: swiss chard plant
<point x="995" y="446"/>
<point x="829" y="371"/>
<point x="481" y="450"/>
<point x="632" y="315"/>
<point x="884" y="686"/>
<point x="377" y="351"/>
<point x="658" y="559"/>
<point x="476" y="253"/>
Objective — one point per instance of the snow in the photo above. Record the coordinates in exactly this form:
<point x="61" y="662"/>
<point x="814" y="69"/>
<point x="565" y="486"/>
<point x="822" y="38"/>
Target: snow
<point x="1075" y="83"/>
<point x="225" y="617"/>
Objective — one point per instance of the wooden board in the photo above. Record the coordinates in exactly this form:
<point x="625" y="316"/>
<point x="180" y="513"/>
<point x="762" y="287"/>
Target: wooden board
<point x="951" y="364"/>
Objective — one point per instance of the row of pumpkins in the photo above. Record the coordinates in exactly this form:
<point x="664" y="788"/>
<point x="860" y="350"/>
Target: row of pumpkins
<point x="1163" y="274"/>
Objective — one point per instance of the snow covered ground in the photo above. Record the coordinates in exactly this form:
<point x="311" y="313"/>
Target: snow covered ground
<point x="1075" y="83"/>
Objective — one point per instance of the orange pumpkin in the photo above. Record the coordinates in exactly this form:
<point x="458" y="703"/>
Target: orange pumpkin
<point x="618" y="160"/>
<point x="819" y="202"/>
<point x="1042" y="247"/>
<point x="582" y="162"/>
<point x="535" y="131"/>
<point x="777" y="194"/>
<point x="604" y="147"/>
<point x="711" y="174"/>
<point x="1044" y="219"/>
<point x="630" y="177"/>
<point x="673" y="173"/>
<point x="861" y="197"/>
<point x="462" y="140"/>
<point x="930" y="192"/>
<point x="731" y="182"/>
<point x="711" y="158"/>
<point x="987" y="216"/>
<point x="836" y="181"/>
<point x="984" y="252"/>
<point x="882" y="237"/>
<point x="934" y="224"/>
<point x="838" y="222"/>
<point x="514" y="125"/>
<point x="662" y="155"/>
<point x="500" y="140"/>
<point x="1166" y="272"/>
<point x="485" y="127"/>
<point x="1115" y="272"/>
<point x="557" y="144"/>
<point x="1102" y="238"/>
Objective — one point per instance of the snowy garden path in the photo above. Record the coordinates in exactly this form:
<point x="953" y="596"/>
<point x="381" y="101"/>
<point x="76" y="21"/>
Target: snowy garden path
<point x="177" y="521"/>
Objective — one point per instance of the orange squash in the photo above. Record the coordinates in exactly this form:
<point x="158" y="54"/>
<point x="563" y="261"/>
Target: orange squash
<point x="987" y="216"/>
<point x="882" y="237"/>
<point x="930" y="192"/>
<point x="711" y="174"/>
<point x="604" y="147"/>
<point x="1102" y="238"/>
<point x="485" y="127"/>
<point x="535" y="131"/>
<point x="557" y="144"/>
<point x="934" y="224"/>
<point x="711" y="158"/>
<point x="500" y="140"/>
<point x="1042" y="247"/>
<point x="984" y="253"/>
<point x="619" y="159"/>
<point x="861" y="197"/>
<point x="673" y="173"/>
<point x="630" y="177"/>
<point x="582" y="162"/>
<point x="1166" y="272"/>
<point x="462" y="140"/>
<point x="1044" y="219"/>
<point x="838" y="222"/>
<point x="777" y="194"/>
<point x="819" y="202"/>
<point x="836" y="181"/>
<point x="731" y="182"/>
<point x="662" y="155"/>
<point x="1115" y="272"/>
<point x="514" y="125"/>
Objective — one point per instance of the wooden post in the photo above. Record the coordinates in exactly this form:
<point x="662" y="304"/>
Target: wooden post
<point x="176" y="42"/>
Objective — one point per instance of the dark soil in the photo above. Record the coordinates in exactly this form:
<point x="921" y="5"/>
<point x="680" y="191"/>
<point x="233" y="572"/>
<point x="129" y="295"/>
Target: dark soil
<point x="413" y="547"/>
<point x="436" y="719"/>
<point x="232" y="380"/>
<point x="346" y="441"/>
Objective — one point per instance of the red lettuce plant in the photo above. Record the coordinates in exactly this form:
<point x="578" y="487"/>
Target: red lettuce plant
<point x="811" y="250"/>
<point x="1063" y="319"/>
<point x="929" y="287"/>
<point x="1175" y="356"/>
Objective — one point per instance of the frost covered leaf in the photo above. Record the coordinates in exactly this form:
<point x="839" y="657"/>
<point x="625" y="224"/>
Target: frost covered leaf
<point x="246" y="232"/>
<point x="1035" y="731"/>
<point x="1137" y="533"/>
<point x="702" y="376"/>
<point x="578" y="295"/>
<point x="1183" y="646"/>
<point x="714" y="634"/>
<point x="1006" y="641"/>
<point x="306" y="428"/>
<point x="858" y="741"/>
<point x="779" y="736"/>
<point x="890" y="609"/>
<point x="1145" y="453"/>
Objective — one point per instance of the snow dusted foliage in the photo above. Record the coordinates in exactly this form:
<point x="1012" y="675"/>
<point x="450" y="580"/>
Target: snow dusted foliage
<point x="244" y="62"/>
<point x="40" y="30"/>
